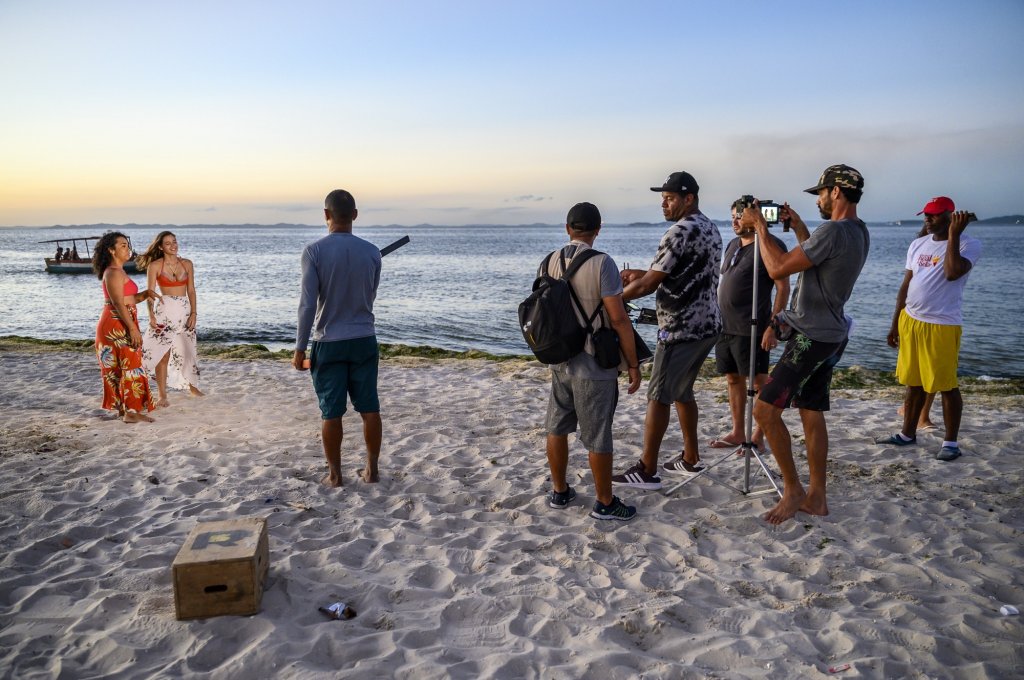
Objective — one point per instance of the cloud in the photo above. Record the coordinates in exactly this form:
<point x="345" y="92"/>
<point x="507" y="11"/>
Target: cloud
<point x="527" y="198"/>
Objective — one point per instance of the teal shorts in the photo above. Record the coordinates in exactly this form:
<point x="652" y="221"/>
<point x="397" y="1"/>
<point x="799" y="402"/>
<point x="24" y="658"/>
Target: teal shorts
<point x="342" y="369"/>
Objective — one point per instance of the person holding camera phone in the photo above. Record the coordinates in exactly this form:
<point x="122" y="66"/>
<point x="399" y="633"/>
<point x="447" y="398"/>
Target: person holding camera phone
<point x="583" y="392"/>
<point x="735" y="299"/>
<point x="927" y="325"/>
<point x="815" y="329"/>
<point x="684" y="275"/>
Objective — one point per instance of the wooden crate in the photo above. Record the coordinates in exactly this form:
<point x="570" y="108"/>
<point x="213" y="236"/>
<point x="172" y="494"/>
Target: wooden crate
<point x="221" y="569"/>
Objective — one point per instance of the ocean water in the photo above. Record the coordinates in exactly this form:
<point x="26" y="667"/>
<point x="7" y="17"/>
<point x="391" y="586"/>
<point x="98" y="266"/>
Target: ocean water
<point x="459" y="287"/>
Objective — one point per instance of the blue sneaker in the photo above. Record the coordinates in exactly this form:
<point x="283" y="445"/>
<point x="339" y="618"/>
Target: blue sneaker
<point x="561" y="499"/>
<point x="948" y="453"/>
<point x="895" y="440"/>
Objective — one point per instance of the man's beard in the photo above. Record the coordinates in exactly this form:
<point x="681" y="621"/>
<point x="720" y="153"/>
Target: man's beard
<point x="825" y="209"/>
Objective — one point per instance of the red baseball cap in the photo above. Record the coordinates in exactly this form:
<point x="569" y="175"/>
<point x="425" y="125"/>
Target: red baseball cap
<point x="937" y="206"/>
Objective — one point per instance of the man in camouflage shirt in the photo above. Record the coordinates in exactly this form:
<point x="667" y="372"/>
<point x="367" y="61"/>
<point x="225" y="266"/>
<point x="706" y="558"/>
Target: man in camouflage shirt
<point x="684" y="275"/>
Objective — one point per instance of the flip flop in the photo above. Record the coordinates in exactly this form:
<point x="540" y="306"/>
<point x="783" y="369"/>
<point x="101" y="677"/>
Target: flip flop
<point x="761" y="450"/>
<point x="723" y="444"/>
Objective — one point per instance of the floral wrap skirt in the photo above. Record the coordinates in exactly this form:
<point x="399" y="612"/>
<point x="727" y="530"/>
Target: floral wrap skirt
<point x="125" y="384"/>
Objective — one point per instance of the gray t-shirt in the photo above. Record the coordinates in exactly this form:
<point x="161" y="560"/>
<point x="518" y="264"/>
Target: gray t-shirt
<point x="340" y="274"/>
<point x="597" y="278"/>
<point x="838" y="251"/>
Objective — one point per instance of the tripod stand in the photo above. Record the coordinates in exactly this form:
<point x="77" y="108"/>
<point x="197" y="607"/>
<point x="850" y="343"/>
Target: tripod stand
<point x="747" y="448"/>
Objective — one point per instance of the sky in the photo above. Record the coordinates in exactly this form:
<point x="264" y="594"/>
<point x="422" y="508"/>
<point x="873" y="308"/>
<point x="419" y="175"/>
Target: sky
<point x="478" y="112"/>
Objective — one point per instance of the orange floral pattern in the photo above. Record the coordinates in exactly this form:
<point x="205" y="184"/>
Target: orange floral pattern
<point x="125" y="383"/>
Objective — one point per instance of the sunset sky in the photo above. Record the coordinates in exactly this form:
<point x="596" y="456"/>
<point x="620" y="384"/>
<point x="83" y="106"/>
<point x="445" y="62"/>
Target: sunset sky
<point x="483" y="112"/>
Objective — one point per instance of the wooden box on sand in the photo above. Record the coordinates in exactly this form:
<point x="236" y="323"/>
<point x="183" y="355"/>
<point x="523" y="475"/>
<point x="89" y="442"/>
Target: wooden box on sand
<point x="221" y="568"/>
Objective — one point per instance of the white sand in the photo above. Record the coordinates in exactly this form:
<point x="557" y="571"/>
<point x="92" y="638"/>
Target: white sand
<point x="455" y="563"/>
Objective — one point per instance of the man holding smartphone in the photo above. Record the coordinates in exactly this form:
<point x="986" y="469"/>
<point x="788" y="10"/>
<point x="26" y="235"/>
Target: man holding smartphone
<point x="815" y="327"/>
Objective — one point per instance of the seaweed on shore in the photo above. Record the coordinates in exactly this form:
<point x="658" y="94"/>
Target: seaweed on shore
<point x="248" y="351"/>
<point x="13" y="342"/>
<point x="851" y="378"/>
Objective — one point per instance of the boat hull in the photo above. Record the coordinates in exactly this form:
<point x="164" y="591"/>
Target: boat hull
<point x="81" y="266"/>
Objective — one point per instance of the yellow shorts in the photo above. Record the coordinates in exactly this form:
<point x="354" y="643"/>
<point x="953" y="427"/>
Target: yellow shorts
<point x="929" y="354"/>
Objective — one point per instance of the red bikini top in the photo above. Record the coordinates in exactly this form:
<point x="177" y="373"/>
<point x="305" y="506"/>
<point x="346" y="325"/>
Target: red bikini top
<point x="130" y="289"/>
<point x="169" y="283"/>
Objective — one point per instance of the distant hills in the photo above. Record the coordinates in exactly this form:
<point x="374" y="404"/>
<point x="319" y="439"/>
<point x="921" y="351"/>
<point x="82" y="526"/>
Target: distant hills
<point x="1004" y="220"/>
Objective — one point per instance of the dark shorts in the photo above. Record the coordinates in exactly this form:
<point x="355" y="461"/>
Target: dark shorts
<point x="732" y="355"/>
<point x="803" y="375"/>
<point x="675" y="370"/>
<point x="342" y="369"/>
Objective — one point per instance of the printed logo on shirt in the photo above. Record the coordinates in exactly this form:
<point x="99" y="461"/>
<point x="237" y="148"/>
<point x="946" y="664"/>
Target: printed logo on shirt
<point x="928" y="260"/>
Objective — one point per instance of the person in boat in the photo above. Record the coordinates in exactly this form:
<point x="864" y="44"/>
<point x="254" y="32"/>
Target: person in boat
<point x="169" y="345"/>
<point x="73" y="255"/>
<point x="59" y="254"/>
<point x="118" y="339"/>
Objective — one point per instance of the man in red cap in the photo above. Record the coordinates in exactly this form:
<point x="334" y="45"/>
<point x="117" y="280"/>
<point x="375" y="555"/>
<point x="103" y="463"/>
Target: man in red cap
<point x="926" y="327"/>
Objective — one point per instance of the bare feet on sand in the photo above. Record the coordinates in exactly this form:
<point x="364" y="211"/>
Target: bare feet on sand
<point x="790" y="504"/>
<point x="814" y="504"/>
<point x="133" y="417"/>
<point x="195" y="391"/>
<point x="162" y="403"/>
<point x="331" y="481"/>
<point x="787" y="508"/>
<point x="368" y="476"/>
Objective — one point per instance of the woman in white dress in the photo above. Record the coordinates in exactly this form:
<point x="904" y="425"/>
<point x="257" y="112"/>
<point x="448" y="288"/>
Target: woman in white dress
<point x="169" y="345"/>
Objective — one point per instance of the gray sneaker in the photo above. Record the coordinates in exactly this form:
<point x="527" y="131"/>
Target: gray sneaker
<point x="948" y="453"/>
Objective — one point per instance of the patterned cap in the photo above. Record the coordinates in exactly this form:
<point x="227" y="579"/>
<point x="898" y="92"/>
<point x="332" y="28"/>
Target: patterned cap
<point x="938" y="205"/>
<point x="838" y="176"/>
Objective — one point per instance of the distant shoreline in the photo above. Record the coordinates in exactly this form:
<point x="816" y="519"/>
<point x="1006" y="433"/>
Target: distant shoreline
<point x="1001" y="221"/>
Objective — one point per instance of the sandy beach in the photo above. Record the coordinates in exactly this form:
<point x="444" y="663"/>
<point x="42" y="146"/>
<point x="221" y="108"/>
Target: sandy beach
<point x="455" y="563"/>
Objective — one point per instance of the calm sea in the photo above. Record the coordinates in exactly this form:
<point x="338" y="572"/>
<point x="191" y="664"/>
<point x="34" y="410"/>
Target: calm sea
<point x="459" y="287"/>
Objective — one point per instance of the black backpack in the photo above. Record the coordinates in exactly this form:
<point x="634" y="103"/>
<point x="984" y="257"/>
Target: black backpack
<point x="547" y="318"/>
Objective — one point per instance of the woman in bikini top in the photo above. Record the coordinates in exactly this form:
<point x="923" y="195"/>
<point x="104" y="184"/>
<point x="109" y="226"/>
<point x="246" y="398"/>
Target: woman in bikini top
<point x="171" y="337"/>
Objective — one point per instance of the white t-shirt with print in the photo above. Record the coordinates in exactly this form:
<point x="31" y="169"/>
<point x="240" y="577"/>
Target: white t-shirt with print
<point x="930" y="297"/>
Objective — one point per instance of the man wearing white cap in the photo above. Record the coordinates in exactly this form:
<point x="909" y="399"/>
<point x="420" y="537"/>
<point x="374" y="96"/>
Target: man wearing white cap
<point x="926" y="327"/>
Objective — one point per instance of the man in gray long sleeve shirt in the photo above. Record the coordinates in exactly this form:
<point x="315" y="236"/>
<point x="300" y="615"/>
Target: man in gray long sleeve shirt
<point x="340" y="274"/>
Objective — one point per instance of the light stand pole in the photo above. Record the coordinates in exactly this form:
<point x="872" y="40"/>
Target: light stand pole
<point x="747" y="448"/>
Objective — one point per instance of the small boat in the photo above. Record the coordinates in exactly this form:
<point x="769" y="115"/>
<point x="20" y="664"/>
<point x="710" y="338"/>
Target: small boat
<point x="68" y="260"/>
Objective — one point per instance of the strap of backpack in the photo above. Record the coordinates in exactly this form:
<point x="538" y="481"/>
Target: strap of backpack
<point x="576" y="263"/>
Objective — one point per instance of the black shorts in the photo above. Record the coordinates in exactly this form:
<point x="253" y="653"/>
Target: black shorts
<point x="803" y="375"/>
<point x="732" y="355"/>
